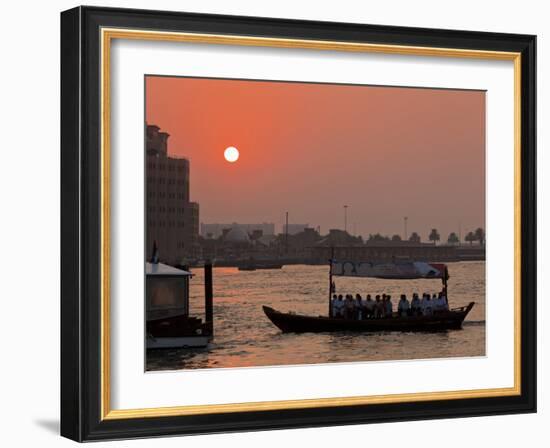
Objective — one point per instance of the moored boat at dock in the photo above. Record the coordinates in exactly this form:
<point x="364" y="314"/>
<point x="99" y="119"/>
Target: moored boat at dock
<point x="168" y="322"/>
<point x="253" y="266"/>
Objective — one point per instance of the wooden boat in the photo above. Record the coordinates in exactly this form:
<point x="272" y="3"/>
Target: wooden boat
<point x="247" y="268"/>
<point x="297" y="323"/>
<point x="260" y="265"/>
<point x="449" y="319"/>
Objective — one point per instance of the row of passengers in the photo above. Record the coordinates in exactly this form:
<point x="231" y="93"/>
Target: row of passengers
<point x="358" y="308"/>
<point x="424" y="306"/>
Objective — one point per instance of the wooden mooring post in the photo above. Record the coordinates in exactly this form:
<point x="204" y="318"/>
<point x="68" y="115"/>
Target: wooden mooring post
<point x="208" y="298"/>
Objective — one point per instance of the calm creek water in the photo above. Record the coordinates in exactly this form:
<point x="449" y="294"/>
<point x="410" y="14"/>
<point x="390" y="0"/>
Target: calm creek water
<point x="243" y="336"/>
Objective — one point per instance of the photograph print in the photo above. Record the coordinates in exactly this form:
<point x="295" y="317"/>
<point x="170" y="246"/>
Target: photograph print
<point x="293" y="223"/>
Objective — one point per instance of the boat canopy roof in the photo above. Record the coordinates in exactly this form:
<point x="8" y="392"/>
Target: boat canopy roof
<point x="390" y="270"/>
<point x="164" y="269"/>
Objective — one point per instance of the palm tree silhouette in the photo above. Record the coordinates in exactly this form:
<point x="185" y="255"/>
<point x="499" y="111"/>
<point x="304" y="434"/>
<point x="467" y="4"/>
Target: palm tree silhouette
<point x="480" y="236"/>
<point x="470" y="237"/>
<point x="434" y="236"/>
<point x="453" y="238"/>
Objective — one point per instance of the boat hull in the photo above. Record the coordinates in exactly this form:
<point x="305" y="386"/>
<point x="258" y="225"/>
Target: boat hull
<point x="177" y="331"/>
<point x="296" y="323"/>
<point x="265" y="266"/>
<point x="177" y="342"/>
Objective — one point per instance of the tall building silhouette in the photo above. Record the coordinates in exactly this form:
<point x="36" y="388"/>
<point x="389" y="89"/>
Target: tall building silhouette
<point x="172" y="220"/>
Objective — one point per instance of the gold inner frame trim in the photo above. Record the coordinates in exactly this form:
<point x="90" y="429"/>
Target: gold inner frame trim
<point x="107" y="35"/>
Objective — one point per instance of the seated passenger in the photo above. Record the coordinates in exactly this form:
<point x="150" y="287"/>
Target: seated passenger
<point x="359" y="309"/>
<point x="403" y="307"/>
<point x="427" y="306"/>
<point x="415" y="305"/>
<point x="349" y="307"/>
<point x="438" y="303"/>
<point x="444" y="302"/>
<point x="339" y="307"/>
<point x="333" y="305"/>
<point x="389" y="306"/>
<point x="369" y="307"/>
<point x="378" y="308"/>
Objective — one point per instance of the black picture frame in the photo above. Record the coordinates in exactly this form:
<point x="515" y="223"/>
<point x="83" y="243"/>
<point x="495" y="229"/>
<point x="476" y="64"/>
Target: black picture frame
<point x="81" y="224"/>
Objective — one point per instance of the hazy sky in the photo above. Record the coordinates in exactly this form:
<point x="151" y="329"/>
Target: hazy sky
<point x="310" y="149"/>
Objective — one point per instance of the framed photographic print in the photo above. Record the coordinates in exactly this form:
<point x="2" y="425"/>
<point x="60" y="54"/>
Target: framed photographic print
<point x="273" y="223"/>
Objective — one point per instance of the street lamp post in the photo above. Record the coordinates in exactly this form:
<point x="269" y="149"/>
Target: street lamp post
<point x="405" y="219"/>
<point x="286" y="234"/>
<point x="346" y="218"/>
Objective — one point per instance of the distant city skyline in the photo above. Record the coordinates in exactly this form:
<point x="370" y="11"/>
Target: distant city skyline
<point x="310" y="149"/>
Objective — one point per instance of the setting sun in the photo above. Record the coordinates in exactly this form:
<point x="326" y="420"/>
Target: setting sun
<point x="231" y="154"/>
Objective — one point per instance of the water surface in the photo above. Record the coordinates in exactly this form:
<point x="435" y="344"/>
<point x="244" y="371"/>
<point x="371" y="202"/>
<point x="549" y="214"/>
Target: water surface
<point x="244" y="337"/>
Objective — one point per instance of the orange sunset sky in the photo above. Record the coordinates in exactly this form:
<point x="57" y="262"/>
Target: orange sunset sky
<point x="310" y="149"/>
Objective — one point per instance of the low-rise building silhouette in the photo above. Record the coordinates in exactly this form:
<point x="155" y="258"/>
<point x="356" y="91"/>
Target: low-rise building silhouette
<point x="215" y="230"/>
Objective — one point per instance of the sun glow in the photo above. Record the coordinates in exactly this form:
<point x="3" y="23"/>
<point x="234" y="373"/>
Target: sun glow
<point x="231" y="154"/>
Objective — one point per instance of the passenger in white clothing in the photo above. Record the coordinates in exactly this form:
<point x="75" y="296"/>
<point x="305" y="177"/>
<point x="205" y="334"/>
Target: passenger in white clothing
<point x="427" y="306"/>
<point x="349" y="306"/>
<point x="339" y="307"/>
<point x="416" y="307"/>
<point x="389" y="306"/>
<point x="378" y="308"/>
<point x="403" y="307"/>
<point x="441" y="303"/>
<point x="333" y="305"/>
<point x="369" y="307"/>
<point x="359" y="309"/>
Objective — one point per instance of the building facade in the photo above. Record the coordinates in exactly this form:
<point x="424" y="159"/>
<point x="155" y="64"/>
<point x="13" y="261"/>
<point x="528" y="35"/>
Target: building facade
<point x="172" y="220"/>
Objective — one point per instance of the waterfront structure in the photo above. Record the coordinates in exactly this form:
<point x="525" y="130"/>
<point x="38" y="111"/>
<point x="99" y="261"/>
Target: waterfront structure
<point x="337" y="237"/>
<point x="384" y="252"/>
<point x="217" y="230"/>
<point x="172" y="220"/>
<point x="168" y="320"/>
<point x="293" y="229"/>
